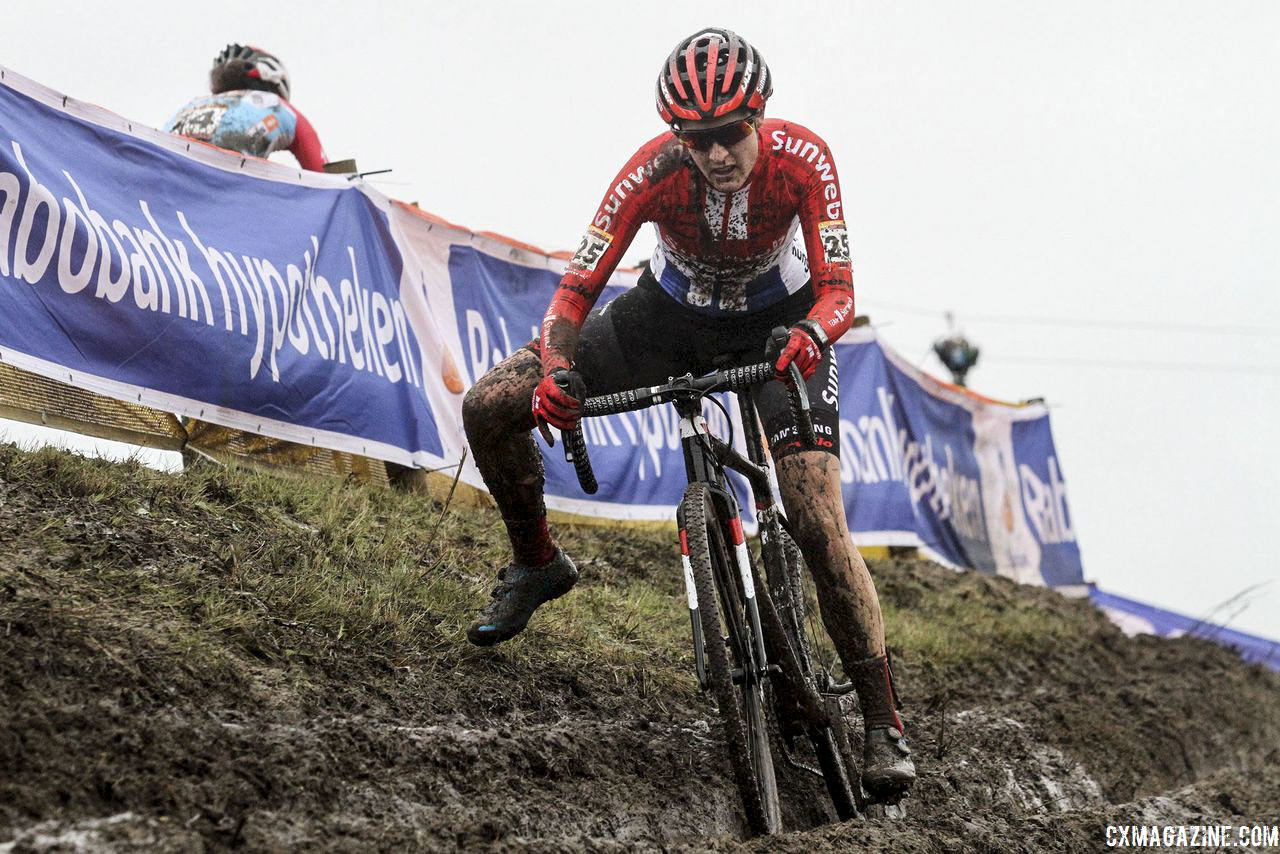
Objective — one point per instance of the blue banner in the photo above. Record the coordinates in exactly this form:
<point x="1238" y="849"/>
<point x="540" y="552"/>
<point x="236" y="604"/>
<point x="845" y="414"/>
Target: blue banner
<point x="270" y="305"/>
<point x="908" y="459"/>
<point x="1135" y="617"/>
<point x="1044" y="500"/>
<point x="975" y="482"/>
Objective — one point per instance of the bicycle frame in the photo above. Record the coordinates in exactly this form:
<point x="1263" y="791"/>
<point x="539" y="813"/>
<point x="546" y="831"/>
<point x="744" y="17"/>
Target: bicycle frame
<point x="769" y="518"/>
<point x="706" y="457"/>
<point x="764" y="632"/>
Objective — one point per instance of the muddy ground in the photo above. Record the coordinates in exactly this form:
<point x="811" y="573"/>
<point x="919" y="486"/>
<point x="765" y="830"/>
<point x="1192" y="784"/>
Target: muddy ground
<point x="131" y="725"/>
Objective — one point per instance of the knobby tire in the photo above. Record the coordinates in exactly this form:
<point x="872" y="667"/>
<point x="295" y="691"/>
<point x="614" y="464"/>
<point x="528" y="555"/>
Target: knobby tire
<point x="830" y="743"/>
<point x="742" y="710"/>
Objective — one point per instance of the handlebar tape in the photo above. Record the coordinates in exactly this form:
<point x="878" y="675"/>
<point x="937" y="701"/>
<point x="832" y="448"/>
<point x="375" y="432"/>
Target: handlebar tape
<point x="622" y="401"/>
<point x="575" y="451"/>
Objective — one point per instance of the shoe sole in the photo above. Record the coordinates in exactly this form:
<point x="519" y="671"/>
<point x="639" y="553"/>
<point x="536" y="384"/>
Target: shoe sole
<point x="887" y="791"/>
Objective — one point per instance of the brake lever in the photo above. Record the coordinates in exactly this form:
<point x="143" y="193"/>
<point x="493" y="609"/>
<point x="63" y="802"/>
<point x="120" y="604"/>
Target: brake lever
<point x="798" y="395"/>
<point x="544" y="430"/>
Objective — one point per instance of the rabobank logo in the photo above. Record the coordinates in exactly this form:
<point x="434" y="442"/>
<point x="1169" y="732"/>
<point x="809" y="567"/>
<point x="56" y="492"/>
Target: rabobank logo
<point x="314" y="300"/>
<point x="1046" y="504"/>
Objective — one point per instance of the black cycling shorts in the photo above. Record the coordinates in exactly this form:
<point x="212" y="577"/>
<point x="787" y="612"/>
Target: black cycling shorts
<point x="644" y="336"/>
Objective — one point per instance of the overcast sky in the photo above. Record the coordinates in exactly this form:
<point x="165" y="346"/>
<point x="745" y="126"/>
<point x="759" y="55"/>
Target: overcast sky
<point x="1109" y="162"/>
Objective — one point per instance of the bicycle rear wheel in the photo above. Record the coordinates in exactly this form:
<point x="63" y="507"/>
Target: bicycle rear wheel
<point x="830" y="742"/>
<point x="728" y="633"/>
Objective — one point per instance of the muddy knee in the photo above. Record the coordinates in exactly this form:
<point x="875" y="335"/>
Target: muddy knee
<point x="478" y="408"/>
<point x="500" y="401"/>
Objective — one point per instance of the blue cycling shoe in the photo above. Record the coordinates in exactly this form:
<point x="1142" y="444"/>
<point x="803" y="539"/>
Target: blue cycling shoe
<point x="520" y="591"/>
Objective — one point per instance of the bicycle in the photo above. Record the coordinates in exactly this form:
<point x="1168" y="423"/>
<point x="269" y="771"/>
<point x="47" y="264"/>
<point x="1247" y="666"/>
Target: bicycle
<point x="764" y="647"/>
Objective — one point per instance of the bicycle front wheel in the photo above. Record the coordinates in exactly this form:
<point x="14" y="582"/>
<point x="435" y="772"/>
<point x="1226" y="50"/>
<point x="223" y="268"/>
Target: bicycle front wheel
<point x="733" y="666"/>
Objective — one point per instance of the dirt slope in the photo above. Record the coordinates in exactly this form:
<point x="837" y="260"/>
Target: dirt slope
<point x="223" y="660"/>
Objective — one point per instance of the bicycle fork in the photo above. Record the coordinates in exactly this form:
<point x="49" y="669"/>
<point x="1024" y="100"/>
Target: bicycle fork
<point x="699" y="653"/>
<point x="693" y="424"/>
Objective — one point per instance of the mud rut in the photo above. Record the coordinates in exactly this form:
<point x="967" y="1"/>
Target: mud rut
<point x="112" y="739"/>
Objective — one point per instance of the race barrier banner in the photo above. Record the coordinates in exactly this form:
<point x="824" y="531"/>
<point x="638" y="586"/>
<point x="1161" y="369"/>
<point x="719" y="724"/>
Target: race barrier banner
<point x="311" y="308"/>
<point x="1137" y="618"/>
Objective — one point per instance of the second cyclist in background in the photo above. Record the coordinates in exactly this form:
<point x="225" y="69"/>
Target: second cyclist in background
<point x="249" y="110"/>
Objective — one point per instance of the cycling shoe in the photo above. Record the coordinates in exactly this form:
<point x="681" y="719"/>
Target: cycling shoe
<point x="887" y="769"/>
<point x="521" y="589"/>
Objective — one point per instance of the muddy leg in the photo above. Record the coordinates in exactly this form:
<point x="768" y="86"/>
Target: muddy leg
<point x="810" y="486"/>
<point x="498" y="419"/>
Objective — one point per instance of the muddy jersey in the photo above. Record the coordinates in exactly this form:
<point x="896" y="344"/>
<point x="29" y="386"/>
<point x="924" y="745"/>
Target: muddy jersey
<point x="719" y="254"/>
<point x="250" y="122"/>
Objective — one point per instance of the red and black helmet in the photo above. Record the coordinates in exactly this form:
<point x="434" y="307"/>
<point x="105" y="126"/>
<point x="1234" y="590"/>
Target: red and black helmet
<point x="712" y="74"/>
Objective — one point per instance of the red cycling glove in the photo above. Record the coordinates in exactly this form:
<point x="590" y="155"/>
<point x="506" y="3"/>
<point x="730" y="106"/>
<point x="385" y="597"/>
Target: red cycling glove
<point x="556" y="405"/>
<point x="801" y="349"/>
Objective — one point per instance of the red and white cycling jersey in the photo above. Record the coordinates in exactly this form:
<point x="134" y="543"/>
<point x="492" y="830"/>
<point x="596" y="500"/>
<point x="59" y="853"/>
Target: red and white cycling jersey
<point x="720" y="254"/>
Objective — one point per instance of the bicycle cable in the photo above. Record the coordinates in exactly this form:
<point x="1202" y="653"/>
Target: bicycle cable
<point x="727" y="417"/>
<point x="706" y="444"/>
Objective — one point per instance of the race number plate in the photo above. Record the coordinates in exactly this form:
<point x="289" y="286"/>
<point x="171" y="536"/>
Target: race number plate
<point x="594" y="244"/>
<point x="835" y="241"/>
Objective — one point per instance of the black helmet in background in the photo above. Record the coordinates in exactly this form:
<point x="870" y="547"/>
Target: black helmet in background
<point x="248" y="67"/>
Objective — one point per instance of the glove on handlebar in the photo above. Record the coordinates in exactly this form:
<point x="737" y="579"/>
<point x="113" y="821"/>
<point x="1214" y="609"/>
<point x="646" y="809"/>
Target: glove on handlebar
<point x="803" y="348"/>
<point x="558" y="399"/>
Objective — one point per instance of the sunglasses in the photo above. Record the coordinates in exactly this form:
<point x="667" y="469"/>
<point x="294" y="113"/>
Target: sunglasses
<point x="727" y="136"/>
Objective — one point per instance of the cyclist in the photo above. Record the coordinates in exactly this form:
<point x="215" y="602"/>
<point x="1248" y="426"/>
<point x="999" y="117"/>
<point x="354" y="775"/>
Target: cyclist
<point x="249" y="110"/>
<point x="751" y="235"/>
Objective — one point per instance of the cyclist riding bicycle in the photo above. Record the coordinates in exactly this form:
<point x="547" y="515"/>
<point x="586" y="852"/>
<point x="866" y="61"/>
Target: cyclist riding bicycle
<point x="751" y="235"/>
<point x="249" y="111"/>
